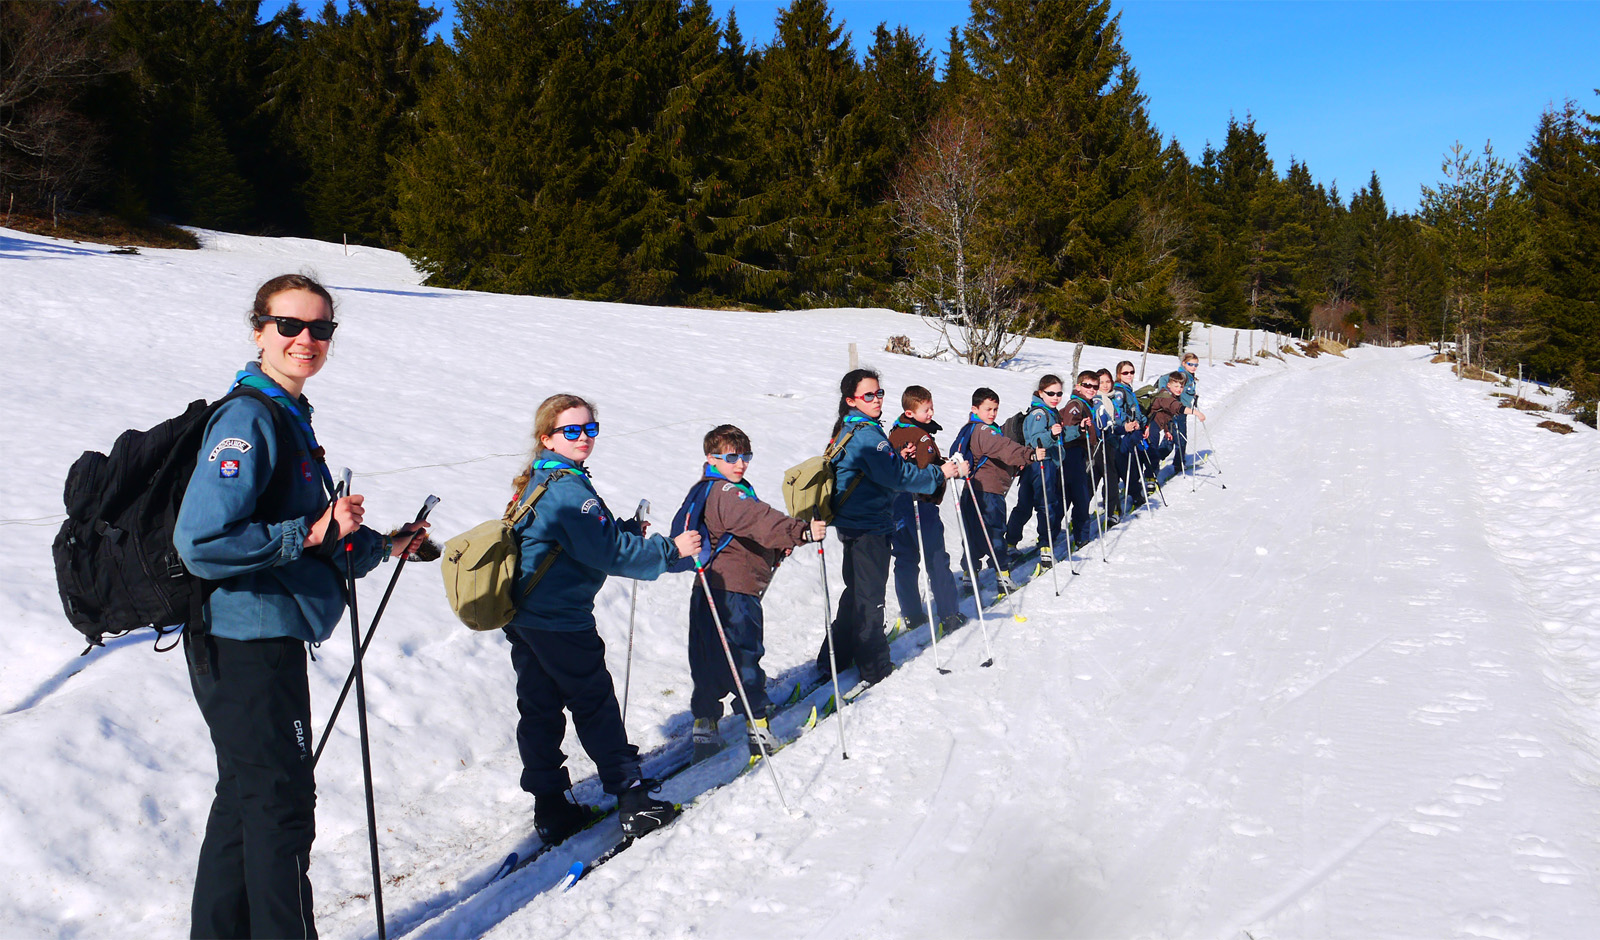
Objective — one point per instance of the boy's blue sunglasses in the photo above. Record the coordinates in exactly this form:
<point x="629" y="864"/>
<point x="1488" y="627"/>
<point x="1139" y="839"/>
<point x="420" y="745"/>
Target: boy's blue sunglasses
<point x="733" y="458"/>
<point x="574" y="431"/>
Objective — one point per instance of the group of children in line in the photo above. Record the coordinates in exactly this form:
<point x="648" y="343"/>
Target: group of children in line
<point x="266" y="538"/>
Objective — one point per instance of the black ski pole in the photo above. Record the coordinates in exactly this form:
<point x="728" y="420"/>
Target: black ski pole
<point x="361" y="714"/>
<point x="372" y="628"/>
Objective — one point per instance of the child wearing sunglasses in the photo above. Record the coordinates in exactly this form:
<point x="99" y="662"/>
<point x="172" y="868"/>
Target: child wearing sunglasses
<point x="257" y="519"/>
<point x="866" y="476"/>
<point x="1078" y="439"/>
<point x="1040" y="492"/>
<point x="568" y="545"/>
<point x="1190" y="399"/>
<point x="1133" y="434"/>
<point x="742" y="541"/>
<point x="912" y="436"/>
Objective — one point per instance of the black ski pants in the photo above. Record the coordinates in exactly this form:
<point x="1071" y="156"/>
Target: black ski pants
<point x="708" y="661"/>
<point x="251" y="880"/>
<point x="557" y="670"/>
<point x="858" y="628"/>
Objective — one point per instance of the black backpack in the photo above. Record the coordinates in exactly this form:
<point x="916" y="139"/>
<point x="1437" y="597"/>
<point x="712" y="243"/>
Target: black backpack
<point x="116" y="567"/>
<point x="1013" y="427"/>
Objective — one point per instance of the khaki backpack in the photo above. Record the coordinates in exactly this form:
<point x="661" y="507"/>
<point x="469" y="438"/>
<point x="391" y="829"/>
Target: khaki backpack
<point x="480" y="567"/>
<point x="808" y="486"/>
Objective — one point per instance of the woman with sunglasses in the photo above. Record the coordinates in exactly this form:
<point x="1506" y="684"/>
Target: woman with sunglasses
<point x="1040" y="492"/>
<point x="567" y="546"/>
<point x="865" y="478"/>
<point x="1130" y="470"/>
<point x="257" y="520"/>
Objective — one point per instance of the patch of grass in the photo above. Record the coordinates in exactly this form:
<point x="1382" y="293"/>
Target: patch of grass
<point x="1512" y="401"/>
<point x="1556" y="426"/>
<point x="103" y="230"/>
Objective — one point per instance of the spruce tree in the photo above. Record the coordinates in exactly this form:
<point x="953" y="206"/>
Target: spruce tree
<point x="1562" y="179"/>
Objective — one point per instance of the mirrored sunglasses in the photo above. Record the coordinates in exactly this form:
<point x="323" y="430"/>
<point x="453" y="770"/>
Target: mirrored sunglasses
<point x="574" y="431"/>
<point x="733" y="458"/>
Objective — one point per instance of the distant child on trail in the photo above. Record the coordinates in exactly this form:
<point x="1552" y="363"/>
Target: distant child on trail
<point x="1128" y="467"/>
<point x="1190" y="400"/>
<point x="568" y="545"/>
<point x="866" y="477"/>
<point x="995" y="460"/>
<point x="743" y="540"/>
<point x="912" y="436"/>
<point x="1078" y="439"/>
<point x="1040" y="491"/>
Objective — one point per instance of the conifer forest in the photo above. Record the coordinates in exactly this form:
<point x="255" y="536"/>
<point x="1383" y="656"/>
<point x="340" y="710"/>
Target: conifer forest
<point x="643" y="151"/>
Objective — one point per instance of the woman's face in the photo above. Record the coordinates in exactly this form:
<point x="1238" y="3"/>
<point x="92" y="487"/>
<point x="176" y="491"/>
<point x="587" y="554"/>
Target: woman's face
<point x="872" y="407"/>
<point x="576" y="451"/>
<point x="290" y="360"/>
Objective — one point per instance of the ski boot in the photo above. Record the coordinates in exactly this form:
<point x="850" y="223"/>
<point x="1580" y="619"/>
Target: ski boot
<point x="1046" y="561"/>
<point x="952" y="623"/>
<point x="1004" y="584"/>
<point x="707" y="739"/>
<point x="556" y="818"/>
<point x="758" y="733"/>
<point x="640" y="814"/>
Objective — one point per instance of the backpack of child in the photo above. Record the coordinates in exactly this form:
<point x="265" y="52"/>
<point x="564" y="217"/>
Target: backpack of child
<point x="116" y="567"/>
<point x="808" y="486"/>
<point x="1145" y="396"/>
<point x="691" y="515"/>
<point x="1013" y="427"/>
<point x="963" y="445"/>
<point x="480" y="565"/>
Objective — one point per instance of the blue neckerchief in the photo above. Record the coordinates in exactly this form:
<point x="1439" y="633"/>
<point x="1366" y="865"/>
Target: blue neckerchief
<point x="559" y="462"/>
<point x="251" y="376"/>
<point x="974" y="419"/>
<point x="856" y="417"/>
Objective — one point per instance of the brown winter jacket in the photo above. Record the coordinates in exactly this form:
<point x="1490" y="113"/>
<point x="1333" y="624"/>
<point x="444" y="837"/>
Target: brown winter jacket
<point x="908" y="431"/>
<point x="1006" y="459"/>
<point x="1163" y="408"/>
<point x="1072" y="413"/>
<point x="761" y="536"/>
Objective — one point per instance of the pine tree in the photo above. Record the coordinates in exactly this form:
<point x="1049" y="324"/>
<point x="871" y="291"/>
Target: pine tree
<point x="1562" y="180"/>
<point x="1070" y="123"/>
<point x="958" y="79"/>
<point x="360" y="76"/>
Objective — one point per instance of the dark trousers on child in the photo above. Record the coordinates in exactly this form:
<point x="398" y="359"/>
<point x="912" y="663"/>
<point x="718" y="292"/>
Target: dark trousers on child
<point x="1075" y="470"/>
<point x="908" y="510"/>
<point x="558" y="669"/>
<point x="984" y="517"/>
<point x="1039" y="495"/>
<point x="858" y="628"/>
<point x="708" y="661"/>
<point x="1180" y="424"/>
<point x="251" y="880"/>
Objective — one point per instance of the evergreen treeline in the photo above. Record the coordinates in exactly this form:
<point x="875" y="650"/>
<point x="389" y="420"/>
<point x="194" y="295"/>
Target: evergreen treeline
<point x="640" y="150"/>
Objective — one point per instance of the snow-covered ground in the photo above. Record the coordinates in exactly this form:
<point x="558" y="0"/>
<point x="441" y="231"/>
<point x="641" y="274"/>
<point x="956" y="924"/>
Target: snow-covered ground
<point x="1354" y="694"/>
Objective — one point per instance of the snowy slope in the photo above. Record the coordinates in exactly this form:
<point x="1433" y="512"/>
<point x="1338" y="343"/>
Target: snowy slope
<point x="1353" y="694"/>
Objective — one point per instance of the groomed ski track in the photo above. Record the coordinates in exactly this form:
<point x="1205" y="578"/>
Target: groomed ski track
<point x="1352" y="695"/>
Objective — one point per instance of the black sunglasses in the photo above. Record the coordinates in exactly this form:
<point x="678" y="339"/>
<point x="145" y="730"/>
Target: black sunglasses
<point x="1055" y="394"/>
<point x="289" y="327"/>
<point x="574" y="431"/>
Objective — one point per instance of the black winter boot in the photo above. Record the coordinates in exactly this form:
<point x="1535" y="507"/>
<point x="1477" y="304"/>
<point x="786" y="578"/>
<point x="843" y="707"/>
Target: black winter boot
<point x="640" y="814"/>
<point x="557" y="818"/>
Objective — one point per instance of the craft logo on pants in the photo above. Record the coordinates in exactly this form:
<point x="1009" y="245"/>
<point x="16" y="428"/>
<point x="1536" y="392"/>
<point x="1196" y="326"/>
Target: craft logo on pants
<point x="300" y="738"/>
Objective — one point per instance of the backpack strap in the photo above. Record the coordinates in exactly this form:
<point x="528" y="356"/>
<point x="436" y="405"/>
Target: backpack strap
<point x="516" y="514"/>
<point x="835" y="453"/>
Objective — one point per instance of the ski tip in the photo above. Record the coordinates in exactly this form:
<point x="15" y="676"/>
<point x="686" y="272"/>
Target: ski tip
<point x="811" y="720"/>
<point x="506" y="867"/>
<point x="571" y="877"/>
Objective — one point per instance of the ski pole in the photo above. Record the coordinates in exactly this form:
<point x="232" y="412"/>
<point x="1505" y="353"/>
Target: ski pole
<point x="633" y="605"/>
<point x="1212" y="453"/>
<point x="1100" y="519"/>
<point x="1050" y="527"/>
<point x="927" y="573"/>
<point x="1183" y="463"/>
<point x="366" y="641"/>
<point x="972" y="569"/>
<point x="361" y="714"/>
<point x="1155" y="474"/>
<point x="833" y="660"/>
<point x="738" y="683"/>
<point x="1066" y="523"/>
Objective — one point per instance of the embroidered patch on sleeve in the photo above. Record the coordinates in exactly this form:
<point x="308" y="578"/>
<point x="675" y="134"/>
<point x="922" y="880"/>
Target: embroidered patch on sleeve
<point x="232" y="443"/>
<point x="229" y="468"/>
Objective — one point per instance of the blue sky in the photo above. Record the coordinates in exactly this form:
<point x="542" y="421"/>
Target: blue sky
<point x="1347" y="87"/>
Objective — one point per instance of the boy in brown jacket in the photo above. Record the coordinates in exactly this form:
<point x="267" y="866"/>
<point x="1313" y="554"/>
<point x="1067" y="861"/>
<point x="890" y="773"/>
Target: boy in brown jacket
<point x="995" y="461"/>
<point x="912" y="436"/>
<point x="743" y="540"/>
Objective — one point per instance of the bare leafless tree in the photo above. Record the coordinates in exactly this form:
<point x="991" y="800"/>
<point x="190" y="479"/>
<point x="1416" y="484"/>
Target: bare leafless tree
<point x="47" y="52"/>
<point x="945" y="211"/>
